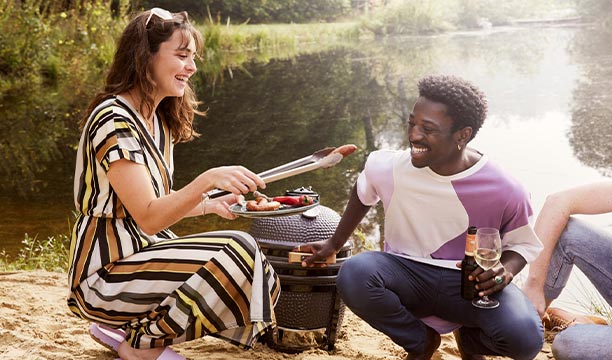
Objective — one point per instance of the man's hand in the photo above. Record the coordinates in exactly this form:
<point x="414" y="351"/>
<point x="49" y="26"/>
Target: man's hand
<point x="492" y="280"/>
<point x="320" y="250"/>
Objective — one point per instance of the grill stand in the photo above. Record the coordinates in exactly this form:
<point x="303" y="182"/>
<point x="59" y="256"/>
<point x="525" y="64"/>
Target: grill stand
<point x="309" y="305"/>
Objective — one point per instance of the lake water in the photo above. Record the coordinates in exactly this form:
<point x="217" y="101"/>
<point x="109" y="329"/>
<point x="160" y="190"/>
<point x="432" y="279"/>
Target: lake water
<point x="548" y="124"/>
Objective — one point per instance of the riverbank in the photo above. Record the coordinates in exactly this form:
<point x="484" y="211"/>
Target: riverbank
<point x="35" y="324"/>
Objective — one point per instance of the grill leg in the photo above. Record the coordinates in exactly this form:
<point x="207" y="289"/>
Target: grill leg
<point x="331" y="332"/>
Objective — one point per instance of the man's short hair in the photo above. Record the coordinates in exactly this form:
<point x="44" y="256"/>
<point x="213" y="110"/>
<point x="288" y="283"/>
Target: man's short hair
<point x="465" y="103"/>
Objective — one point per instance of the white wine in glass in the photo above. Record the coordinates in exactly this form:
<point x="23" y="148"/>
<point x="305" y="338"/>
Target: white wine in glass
<point x="487" y="258"/>
<point x="487" y="254"/>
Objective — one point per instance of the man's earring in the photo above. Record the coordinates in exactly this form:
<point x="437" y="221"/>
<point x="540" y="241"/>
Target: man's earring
<point x="458" y="147"/>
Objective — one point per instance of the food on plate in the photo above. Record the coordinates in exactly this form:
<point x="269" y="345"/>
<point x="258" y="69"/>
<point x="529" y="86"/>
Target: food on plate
<point x="303" y="191"/>
<point x="296" y="199"/>
<point x="301" y="200"/>
<point x="262" y="204"/>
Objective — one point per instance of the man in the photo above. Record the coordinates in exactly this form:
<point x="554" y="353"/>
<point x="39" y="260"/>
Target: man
<point x="431" y="194"/>
<point x="568" y="241"/>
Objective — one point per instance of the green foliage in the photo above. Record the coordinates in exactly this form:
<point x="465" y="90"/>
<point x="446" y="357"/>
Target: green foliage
<point x="259" y="11"/>
<point x="50" y="65"/>
<point x="505" y="12"/>
<point x="50" y="71"/>
<point x="227" y="46"/>
<point x="49" y="255"/>
<point x="24" y="70"/>
<point x="431" y="16"/>
<point x="408" y="17"/>
<point x="361" y="243"/>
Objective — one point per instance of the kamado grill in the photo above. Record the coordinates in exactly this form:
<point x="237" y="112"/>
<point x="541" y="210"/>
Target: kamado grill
<point x="309" y="299"/>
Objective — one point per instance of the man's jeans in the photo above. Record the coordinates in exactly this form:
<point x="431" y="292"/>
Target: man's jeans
<point x="392" y="294"/>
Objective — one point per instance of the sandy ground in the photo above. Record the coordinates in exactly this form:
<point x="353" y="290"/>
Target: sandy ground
<point x="35" y="324"/>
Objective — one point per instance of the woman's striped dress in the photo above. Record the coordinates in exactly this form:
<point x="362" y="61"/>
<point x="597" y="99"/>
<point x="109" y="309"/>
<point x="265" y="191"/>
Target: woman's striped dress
<point x="161" y="289"/>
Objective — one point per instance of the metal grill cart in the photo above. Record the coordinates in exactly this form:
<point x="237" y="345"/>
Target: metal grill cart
<point x="309" y="310"/>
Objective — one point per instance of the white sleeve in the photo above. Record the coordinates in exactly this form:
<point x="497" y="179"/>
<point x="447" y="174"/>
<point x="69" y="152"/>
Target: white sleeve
<point x="523" y="241"/>
<point x="376" y="179"/>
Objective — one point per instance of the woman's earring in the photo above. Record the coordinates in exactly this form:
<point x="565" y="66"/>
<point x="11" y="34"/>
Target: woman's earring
<point x="458" y="147"/>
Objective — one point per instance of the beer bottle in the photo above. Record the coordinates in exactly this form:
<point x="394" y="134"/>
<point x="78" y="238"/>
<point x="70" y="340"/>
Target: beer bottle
<point x="468" y="264"/>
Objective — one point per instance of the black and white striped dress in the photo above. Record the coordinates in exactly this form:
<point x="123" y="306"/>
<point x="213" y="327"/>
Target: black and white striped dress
<point x="161" y="289"/>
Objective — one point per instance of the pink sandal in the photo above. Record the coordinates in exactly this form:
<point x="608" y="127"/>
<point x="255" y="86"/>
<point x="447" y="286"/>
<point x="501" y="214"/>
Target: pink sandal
<point x="169" y="354"/>
<point x="112" y="338"/>
<point x="106" y="336"/>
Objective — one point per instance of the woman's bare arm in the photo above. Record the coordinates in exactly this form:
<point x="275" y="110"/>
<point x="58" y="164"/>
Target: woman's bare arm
<point x="132" y="184"/>
<point x="595" y="198"/>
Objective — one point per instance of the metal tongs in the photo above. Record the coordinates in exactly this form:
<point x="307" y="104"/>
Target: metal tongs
<point x="323" y="158"/>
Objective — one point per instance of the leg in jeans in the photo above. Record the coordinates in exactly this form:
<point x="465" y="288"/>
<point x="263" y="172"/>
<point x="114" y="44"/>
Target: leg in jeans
<point x="590" y="248"/>
<point x="513" y="329"/>
<point x="391" y="293"/>
<point x="583" y="342"/>
<point x="380" y="288"/>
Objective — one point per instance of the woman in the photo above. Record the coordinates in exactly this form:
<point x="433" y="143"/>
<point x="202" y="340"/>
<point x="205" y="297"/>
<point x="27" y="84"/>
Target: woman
<point x="141" y="286"/>
<point x="570" y="241"/>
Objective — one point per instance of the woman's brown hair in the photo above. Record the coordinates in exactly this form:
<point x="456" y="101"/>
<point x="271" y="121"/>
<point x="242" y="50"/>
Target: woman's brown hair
<point x="131" y="68"/>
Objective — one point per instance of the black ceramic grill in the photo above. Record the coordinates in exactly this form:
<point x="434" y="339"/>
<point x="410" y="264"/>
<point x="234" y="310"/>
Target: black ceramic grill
<point x="309" y="299"/>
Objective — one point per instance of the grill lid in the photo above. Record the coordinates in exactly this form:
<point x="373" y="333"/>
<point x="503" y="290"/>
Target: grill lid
<point x="296" y="228"/>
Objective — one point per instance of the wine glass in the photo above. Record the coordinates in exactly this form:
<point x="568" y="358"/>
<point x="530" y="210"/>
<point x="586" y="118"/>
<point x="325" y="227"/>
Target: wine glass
<point x="487" y="254"/>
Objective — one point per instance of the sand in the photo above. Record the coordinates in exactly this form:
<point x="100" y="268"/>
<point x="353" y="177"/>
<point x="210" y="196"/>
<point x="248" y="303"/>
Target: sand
<point x="35" y="324"/>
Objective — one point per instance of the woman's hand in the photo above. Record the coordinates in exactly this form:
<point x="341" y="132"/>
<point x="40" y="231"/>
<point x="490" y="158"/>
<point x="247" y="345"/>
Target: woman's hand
<point x="221" y="205"/>
<point x="235" y="179"/>
<point x="535" y="294"/>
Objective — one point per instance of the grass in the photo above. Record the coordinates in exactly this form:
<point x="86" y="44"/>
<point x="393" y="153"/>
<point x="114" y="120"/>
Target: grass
<point x="267" y="36"/>
<point x="49" y="255"/>
<point x="229" y="47"/>
<point x="594" y="303"/>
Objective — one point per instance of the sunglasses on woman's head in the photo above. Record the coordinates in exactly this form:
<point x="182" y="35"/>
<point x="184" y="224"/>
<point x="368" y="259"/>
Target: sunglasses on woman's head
<point x="160" y="13"/>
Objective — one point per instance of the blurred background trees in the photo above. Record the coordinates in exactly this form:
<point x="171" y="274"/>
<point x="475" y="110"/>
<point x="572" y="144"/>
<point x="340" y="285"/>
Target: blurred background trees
<point x="54" y="53"/>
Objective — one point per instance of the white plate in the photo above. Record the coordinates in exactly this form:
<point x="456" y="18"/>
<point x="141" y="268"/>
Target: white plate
<point x="284" y="210"/>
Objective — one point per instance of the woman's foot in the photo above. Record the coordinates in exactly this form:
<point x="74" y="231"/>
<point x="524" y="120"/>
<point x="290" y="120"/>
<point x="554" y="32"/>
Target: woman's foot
<point x="126" y="352"/>
<point x="557" y="319"/>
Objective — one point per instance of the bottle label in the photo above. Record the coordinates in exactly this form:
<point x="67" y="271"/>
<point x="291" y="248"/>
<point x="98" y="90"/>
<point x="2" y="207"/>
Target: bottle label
<point x="470" y="244"/>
